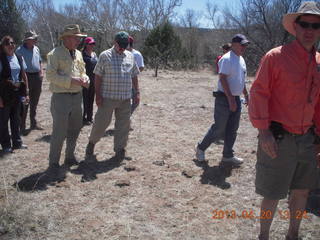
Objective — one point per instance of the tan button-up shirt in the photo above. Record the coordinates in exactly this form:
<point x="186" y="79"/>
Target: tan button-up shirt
<point x="61" y="67"/>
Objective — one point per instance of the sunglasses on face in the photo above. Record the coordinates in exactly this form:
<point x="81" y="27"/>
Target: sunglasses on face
<point x="10" y="43"/>
<point x="307" y="25"/>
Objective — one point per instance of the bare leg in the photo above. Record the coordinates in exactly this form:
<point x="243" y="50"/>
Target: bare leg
<point x="267" y="206"/>
<point x="297" y="203"/>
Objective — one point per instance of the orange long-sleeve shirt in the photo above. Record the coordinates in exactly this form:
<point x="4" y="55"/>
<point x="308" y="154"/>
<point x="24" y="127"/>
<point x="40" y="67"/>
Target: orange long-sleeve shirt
<point x="286" y="89"/>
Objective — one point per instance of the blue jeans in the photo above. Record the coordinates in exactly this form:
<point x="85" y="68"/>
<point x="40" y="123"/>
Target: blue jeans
<point x="226" y="124"/>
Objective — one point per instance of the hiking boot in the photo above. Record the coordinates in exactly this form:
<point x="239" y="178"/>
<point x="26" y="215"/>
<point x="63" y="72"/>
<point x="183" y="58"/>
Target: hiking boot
<point x="90" y="149"/>
<point x="200" y="155"/>
<point x="53" y="171"/>
<point x="121" y="155"/>
<point x="20" y="146"/>
<point x="233" y="160"/>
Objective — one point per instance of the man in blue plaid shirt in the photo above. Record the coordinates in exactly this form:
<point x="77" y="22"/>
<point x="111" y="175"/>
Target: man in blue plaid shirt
<point x="115" y="75"/>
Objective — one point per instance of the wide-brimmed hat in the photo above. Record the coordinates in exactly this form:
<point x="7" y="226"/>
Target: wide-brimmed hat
<point x="72" y="30"/>
<point x="309" y="7"/>
<point x="30" y="35"/>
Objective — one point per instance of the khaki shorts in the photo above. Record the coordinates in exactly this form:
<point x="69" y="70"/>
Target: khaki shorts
<point x="295" y="167"/>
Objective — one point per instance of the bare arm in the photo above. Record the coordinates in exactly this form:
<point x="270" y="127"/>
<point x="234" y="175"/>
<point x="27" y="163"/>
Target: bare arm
<point x="97" y="88"/>
<point x="246" y="95"/>
<point x="135" y="84"/>
<point x="227" y="92"/>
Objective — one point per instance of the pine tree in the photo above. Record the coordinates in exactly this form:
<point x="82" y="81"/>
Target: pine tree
<point x="11" y="20"/>
<point x="161" y="46"/>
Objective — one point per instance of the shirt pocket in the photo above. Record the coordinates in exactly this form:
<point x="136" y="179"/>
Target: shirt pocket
<point x="126" y="66"/>
<point x="293" y="89"/>
<point x="64" y="67"/>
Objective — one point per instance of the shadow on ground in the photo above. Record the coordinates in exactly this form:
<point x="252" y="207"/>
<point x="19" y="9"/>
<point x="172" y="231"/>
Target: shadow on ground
<point x="44" y="138"/>
<point x="90" y="167"/>
<point x="216" y="175"/>
<point x="40" y="181"/>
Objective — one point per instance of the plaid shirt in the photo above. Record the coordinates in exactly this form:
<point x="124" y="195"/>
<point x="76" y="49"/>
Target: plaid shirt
<point x="117" y="71"/>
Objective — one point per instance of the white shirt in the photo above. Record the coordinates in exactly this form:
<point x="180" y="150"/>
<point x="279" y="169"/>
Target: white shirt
<point x="234" y="67"/>
<point x="138" y="58"/>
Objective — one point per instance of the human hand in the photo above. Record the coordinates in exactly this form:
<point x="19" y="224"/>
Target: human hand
<point x="232" y="104"/>
<point x="136" y="99"/>
<point x="98" y="100"/>
<point x="268" y="143"/>
<point x="27" y="99"/>
<point x="246" y="97"/>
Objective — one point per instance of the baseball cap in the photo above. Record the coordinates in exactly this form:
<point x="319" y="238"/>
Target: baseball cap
<point x="239" y="38"/>
<point x="122" y="38"/>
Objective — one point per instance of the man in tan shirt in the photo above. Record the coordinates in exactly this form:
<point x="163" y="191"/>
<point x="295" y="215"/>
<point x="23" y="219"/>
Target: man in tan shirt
<point x="66" y="74"/>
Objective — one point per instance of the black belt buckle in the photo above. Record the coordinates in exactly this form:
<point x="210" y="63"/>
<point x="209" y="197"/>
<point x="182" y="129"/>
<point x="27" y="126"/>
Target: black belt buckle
<point x="217" y="93"/>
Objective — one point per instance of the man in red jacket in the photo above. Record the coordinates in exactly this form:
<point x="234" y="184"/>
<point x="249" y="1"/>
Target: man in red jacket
<point x="284" y="106"/>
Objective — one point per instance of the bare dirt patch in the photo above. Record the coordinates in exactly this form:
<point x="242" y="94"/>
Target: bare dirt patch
<point x="160" y="194"/>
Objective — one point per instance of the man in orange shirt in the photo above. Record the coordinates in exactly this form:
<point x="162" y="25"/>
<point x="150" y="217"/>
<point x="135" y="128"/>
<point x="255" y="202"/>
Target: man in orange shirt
<point x="284" y="106"/>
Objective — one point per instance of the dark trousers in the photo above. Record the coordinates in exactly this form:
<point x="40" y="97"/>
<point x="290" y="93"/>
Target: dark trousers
<point x="88" y="99"/>
<point x="226" y="124"/>
<point x="35" y="87"/>
<point x="11" y="113"/>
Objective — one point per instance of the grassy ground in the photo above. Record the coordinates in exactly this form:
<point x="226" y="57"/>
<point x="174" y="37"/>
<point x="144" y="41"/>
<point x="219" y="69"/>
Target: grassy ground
<point x="161" y="194"/>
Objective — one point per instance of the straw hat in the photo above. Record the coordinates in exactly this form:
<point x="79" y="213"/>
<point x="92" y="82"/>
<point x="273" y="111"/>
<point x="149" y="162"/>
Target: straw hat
<point x="30" y="35"/>
<point x="72" y="30"/>
<point x="309" y="7"/>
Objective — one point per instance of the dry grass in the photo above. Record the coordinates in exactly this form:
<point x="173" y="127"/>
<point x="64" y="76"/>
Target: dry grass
<point x="160" y="202"/>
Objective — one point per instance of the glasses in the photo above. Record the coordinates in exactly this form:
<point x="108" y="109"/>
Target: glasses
<point x="307" y="25"/>
<point x="10" y="43"/>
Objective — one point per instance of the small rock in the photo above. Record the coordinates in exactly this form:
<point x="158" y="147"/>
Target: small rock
<point x="188" y="173"/>
<point x="122" y="183"/>
<point x="159" y="163"/>
<point x="130" y="168"/>
<point x="166" y="156"/>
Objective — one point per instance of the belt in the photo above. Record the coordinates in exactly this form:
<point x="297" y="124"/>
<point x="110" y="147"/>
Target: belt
<point x="33" y="73"/>
<point x="69" y="93"/>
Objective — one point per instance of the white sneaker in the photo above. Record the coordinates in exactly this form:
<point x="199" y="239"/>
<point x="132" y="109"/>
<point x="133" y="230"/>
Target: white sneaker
<point x="200" y="155"/>
<point x="234" y="160"/>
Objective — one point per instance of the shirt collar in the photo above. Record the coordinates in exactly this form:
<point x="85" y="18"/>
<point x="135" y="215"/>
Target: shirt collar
<point x="301" y="51"/>
<point x="25" y="46"/>
<point x="115" y="52"/>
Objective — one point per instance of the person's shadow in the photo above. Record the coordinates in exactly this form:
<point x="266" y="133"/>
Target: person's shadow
<point x="216" y="175"/>
<point x="90" y="167"/>
<point x="40" y="181"/>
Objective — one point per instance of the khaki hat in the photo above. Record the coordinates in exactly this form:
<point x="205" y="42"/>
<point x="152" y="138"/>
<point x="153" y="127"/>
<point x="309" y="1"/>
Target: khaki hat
<point x="309" y="7"/>
<point x="72" y="30"/>
<point x="30" y="35"/>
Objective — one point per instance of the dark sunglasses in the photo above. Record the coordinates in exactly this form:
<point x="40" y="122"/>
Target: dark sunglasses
<point x="10" y="43"/>
<point x="308" y="25"/>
